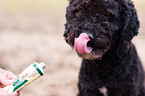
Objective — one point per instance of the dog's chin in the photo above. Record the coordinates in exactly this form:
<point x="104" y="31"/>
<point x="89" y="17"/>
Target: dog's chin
<point x="92" y="55"/>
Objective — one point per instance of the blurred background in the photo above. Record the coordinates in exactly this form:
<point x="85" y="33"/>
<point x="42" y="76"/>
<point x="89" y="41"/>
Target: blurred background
<point x="32" y="30"/>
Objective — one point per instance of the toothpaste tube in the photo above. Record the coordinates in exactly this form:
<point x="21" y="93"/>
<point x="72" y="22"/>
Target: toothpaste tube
<point x="30" y="74"/>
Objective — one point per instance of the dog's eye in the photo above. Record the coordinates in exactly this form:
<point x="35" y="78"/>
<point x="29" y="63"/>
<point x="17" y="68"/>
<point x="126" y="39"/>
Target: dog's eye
<point x="107" y="13"/>
<point x="77" y="12"/>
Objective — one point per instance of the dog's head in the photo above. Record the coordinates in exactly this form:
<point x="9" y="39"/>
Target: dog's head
<point x="94" y="26"/>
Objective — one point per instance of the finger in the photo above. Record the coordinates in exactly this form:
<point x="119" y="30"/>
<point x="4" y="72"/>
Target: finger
<point x="6" y="89"/>
<point x="7" y="78"/>
<point x="14" y="94"/>
<point x="8" y="94"/>
<point x="4" y="92"/>
<point x="10" y="75"/>
<point x="6" y="82"/>
<point x="1" y="85"/>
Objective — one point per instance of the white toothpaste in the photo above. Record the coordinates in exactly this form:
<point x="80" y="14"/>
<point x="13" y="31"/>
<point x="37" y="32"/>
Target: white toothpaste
<point x="31" y="73"/>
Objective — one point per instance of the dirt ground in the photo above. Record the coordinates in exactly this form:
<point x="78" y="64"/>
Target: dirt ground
<point x="32" y="30"/>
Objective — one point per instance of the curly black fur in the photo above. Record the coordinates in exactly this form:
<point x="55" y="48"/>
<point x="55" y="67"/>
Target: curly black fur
<point x="113" y="64"/>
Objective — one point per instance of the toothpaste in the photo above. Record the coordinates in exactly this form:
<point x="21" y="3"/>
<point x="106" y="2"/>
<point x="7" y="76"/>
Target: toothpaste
<point x="30" y="74"/>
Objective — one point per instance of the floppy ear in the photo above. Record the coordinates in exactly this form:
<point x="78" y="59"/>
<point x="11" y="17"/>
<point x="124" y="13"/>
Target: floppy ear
<point x="129" y="20"/>
<point x="70" y="1"/>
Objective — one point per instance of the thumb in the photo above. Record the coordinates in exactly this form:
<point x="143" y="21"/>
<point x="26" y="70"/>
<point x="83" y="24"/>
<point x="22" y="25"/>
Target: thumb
<point x="8" y="94"/>
<point x="4" y="92"/>
<point x="5" y="81"/>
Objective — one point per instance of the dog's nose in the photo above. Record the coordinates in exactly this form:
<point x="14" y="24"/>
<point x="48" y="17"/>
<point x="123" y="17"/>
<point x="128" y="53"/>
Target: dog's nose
<point x="89" y="34"/>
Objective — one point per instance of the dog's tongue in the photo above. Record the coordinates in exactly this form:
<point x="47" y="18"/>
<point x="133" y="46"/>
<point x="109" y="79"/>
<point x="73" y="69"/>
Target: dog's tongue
<point x="80" y="44"/>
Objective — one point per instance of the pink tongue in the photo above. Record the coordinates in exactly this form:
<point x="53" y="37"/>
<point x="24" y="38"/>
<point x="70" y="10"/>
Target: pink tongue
<point x="81" y="44"/>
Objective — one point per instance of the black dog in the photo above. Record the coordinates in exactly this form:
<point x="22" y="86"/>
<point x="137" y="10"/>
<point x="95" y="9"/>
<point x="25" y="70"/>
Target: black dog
<point x="101" y="32"/>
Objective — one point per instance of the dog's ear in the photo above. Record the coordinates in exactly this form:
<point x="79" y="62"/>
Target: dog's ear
<point x="129" y="20"/>
<point x="70" y="1"/>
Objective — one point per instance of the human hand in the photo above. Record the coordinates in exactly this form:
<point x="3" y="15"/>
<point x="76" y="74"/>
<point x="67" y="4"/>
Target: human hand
<point x="7" y="78"/>
<point x="4" y="92"/>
